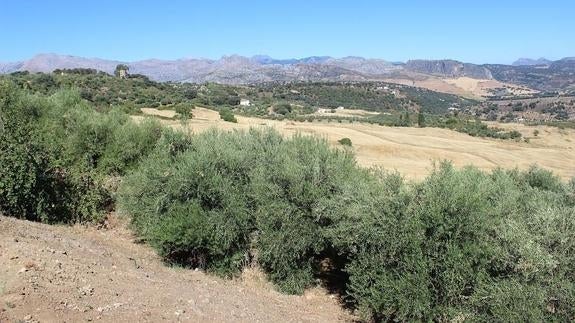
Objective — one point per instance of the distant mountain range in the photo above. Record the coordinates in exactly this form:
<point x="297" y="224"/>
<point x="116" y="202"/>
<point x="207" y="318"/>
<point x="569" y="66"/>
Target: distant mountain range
<point x="530" y="62"/>
<point x="449" y="68"/>
<point x="540" y="74"/>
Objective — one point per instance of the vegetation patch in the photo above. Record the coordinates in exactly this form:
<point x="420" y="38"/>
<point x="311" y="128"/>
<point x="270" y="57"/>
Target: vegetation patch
<point x="345" y="142"/>
<point x="227" y="115"/>
<point x="448" y="247"/>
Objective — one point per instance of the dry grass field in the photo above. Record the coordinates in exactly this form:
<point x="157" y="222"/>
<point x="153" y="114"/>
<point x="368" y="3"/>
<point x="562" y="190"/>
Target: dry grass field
<point x="412" y="151"/>
<point x="463" y="86"/>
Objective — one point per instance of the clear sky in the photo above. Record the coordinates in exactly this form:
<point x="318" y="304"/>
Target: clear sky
<point x="474" y="31"/>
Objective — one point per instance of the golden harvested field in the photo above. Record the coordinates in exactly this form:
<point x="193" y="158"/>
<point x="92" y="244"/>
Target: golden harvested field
<point x="463" y="86"/>
<point x="412" y="151"/>
<point x="481" y="88"/>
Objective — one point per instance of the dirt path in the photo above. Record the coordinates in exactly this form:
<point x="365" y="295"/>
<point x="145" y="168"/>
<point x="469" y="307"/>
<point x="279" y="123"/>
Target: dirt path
<point x="79" y="274"/>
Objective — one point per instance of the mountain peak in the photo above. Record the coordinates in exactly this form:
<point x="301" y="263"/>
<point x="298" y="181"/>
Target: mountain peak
<point x="448" y="68"/>
<point x="531" y="62"/>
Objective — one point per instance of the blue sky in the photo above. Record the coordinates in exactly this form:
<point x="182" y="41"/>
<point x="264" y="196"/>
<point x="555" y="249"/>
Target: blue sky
<point x="473" y="31"/>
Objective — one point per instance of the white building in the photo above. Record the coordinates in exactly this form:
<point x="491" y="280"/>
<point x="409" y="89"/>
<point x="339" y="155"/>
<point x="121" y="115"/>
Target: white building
<point x="245" y="102"/>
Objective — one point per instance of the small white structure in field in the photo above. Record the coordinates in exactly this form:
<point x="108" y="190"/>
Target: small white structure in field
<point x="245" y="102"/>
<point x="340" y="108"/>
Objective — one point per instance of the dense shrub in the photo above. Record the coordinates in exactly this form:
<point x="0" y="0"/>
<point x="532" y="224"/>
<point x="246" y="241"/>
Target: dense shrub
<point x="33" y="183"/>
<point x="228" y="116"/>
<point x="297" y="191"/>
<point x="129" y="143"/>
<point x="57" y="154"/>
<point x="461" y="249"/>
<point x="201" y="188"/>
<point x="242" y="186"/>
<point x="345" y="141"/>
<point x="23" y="165"/>
<point x="282" y="108"/>
<point x="183" y="110"/>
<point x="23" y="173"/>
<point x="460" y="245"/>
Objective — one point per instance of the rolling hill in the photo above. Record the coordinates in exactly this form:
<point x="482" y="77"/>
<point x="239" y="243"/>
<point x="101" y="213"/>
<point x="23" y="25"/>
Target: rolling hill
<point x="540" y="75"/>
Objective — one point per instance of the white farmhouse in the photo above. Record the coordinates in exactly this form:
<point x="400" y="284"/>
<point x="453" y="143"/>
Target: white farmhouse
<point x="245" y="102"/>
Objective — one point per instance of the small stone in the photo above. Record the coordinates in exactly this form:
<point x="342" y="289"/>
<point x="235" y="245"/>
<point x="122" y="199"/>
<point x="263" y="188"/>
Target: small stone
<point x="87" y="290"/>
<point x="28" y="318"/>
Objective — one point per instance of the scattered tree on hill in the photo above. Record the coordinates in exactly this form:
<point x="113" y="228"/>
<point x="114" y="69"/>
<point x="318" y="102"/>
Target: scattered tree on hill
<point x="121" y="70"/>
<point x="421" y="120"/>
<point x="282" y="108"/>
<point x="184" y="111"/>
<point x="405" y="120"/>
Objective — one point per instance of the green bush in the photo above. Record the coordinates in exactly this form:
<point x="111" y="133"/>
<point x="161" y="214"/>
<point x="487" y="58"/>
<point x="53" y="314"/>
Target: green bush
<point x="345" y="142"/>
<point x="209" y="172"/>
<point x="228" y="116"/>
<point x="57" y="155"/>
<point x="23" y="175"/>
<point x="452" y="247"/>
<point x="244" y="186"/>
<point x="282" y="108"/>
<point x="184" y="111"/>
<point x="128" y="144"/>
<point x="297" y="191"/>
<point x="463" y="249"/>
<point x="34" y="181"/>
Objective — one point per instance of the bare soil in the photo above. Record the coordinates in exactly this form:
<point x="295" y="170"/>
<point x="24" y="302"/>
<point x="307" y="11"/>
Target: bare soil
<point x="463" y="86"/>
<point x="81" y="274"/>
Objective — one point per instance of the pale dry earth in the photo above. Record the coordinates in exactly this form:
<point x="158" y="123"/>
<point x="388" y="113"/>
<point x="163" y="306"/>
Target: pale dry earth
<point x="412" y="151"/>
<point x="481" y="88"/>
<point x="463" y="86"/>
<point x="54" y="273"/>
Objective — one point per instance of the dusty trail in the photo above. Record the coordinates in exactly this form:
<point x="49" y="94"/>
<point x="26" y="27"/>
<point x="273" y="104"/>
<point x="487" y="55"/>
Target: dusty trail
<point x="79" y="274"/>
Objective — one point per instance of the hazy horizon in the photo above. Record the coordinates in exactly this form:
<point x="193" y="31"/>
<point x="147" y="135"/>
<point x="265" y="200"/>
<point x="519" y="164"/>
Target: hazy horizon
<point x="279" y="58"/>
<point x="486" y="32"/>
